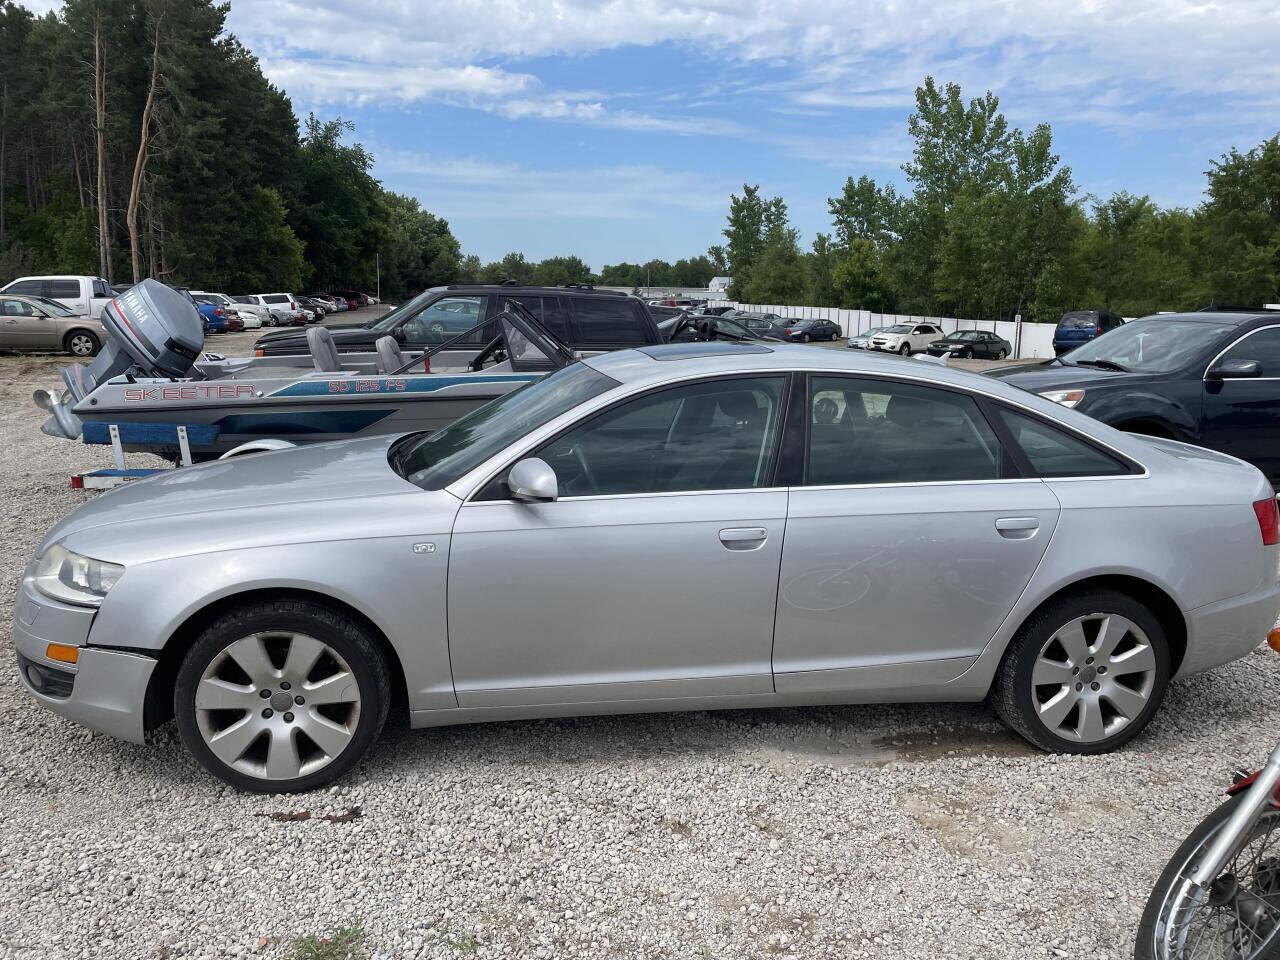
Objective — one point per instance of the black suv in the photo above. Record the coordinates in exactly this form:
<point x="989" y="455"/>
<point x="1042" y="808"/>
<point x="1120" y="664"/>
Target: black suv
<point x="585" y="319"/>
<point x="1210" y="378"/>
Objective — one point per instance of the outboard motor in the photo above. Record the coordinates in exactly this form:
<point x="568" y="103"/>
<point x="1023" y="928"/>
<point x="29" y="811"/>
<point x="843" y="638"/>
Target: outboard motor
<point x="153" y="331"/>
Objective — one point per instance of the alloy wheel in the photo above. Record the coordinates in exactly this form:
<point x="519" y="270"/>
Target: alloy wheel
<point x="82" y="345"/>
<point x="1093" y="677"/>
<point x="277" y="705"/>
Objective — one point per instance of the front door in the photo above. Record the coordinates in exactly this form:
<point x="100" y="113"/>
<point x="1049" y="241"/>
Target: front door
<point x="1242" y="417"/>
<point x="653" y="575"/>
<point x="909" y="540"/>
<point x="23" y="327"/>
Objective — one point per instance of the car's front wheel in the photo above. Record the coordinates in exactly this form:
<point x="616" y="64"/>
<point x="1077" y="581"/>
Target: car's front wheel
<point x="905" y="349"/>
<point x="281" y="696"/>
<point x="1085" y="674"/>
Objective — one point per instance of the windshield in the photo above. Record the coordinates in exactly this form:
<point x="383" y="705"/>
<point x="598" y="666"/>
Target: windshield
<point x="964" y="335"/>
<point x="53" y="307"/>
<point x="388" y="321"/>
<point x="433" y="462"/>
<point x="1150" y="346"/>
<point x="898" y="328"/>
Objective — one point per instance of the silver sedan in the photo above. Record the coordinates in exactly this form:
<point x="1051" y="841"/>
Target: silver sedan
<point x="683" y="527"/>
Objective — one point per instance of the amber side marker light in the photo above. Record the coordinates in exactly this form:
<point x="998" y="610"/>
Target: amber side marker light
<point x="62" y="652"/>
<point x="1273" y="639"/>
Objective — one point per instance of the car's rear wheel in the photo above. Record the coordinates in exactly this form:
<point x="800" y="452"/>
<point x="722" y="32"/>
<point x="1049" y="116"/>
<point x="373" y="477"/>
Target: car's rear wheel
<point x="1085" y="674"/>
<point x="282" y="696"/>
<point x="82" y="343"/>
<point x="1002" y="354"/>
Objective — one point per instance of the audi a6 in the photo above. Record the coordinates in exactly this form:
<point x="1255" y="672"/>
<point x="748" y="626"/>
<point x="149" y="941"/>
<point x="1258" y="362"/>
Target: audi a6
<point x="680" y="527"/>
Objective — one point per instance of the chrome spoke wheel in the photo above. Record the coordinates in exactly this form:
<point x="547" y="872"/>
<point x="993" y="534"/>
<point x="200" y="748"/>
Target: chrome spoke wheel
<point x="277" y="705"/>
<point x="82" y="345"/>
<point x="1238" y="916"/>
<point x="1093" y="677"/>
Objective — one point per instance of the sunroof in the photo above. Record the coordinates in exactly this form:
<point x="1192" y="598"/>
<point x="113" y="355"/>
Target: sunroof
<point x="691" y="351"/>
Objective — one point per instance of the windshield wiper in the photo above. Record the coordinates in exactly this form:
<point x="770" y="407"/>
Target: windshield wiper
<point x="1103" y="365"/>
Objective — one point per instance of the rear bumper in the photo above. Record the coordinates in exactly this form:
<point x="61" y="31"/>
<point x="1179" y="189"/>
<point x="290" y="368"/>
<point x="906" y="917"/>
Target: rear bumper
<point x="1218" y="633"/>
<point x="104" y="691"/>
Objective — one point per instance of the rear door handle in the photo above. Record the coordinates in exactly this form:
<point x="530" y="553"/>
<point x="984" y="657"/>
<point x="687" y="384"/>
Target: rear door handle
<point x="1017" y="528"/>
<point x="743" y="538"/>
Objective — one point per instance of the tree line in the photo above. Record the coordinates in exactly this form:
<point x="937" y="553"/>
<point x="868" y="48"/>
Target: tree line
<point x="138" y="139"/>
<point x="992" y="226"/>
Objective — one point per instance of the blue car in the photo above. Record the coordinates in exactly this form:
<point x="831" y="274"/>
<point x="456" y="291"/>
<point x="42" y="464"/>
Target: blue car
<point x="1081" y="326"/>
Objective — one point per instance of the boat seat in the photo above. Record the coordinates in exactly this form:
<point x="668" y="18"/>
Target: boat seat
<point x="390" y="357"/>
<point x="324" y="354"/>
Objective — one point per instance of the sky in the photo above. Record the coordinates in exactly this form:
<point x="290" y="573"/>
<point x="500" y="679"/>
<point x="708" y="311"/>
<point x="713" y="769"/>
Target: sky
<point x="617" y="130"/>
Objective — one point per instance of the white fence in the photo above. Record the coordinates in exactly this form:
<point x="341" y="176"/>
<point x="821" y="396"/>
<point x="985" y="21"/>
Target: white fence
<point x="1028" y="339"/>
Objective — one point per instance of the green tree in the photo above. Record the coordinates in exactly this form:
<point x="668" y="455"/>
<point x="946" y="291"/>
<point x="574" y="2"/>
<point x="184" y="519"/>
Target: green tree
<point x="1241" y="243"/>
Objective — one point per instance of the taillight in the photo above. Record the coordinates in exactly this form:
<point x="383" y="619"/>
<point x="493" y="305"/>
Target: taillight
<point x="787" y="331"/>
<point x="1268" y="520"/>
<point x="217" y="311"/>
<point x="1097" y="331"/>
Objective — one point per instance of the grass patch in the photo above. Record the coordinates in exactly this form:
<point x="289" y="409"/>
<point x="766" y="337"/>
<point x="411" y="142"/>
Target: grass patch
<point x="341" y="943"/>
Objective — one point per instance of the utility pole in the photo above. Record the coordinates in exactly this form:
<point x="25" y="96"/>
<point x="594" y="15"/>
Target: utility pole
<point x="377" y="267"/>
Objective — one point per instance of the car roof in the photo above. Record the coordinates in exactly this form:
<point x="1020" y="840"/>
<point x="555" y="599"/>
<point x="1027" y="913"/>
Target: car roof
<point x="572" y="289"/>
<point x="1218" y="315"/>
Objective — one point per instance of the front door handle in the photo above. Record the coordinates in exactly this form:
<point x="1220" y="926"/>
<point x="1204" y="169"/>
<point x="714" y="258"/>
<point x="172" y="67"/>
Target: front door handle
<point x="743" y="538"/>
<point x="1017" y="528"/>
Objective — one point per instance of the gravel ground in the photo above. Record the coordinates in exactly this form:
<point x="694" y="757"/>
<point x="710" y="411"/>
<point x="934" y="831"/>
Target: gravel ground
<point x="885" y="832"/>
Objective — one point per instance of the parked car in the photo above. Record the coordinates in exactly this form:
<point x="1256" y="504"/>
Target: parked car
<point x="970" y="345"/>
<point x="585" y="319"/>
<point x="1081" y="326"/>
<point x="905" y="338"/>
<point x="862" y="341"/>
<point x="82" y="295"/>
<point x="239" y="316"/>
<point x="283" y="309"/>
<point x="243" y="302"/>
<point x="938" y="545"/>
<point x="315" y="307"/>
<point x="1210" y="378"/>
<point x="802" y="331"/>
<point x="30" y="323"/>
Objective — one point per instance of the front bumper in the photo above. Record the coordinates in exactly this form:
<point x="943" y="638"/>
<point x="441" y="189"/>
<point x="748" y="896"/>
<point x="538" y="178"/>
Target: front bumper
<point x="105" y="689"/>
<point x="1227" y="630"/>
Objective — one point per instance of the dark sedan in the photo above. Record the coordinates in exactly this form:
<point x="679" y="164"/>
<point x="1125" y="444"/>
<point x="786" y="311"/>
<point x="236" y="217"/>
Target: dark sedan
<point x="1210" y="378"/>
<point x="971" y="345"/>
<point x="802" y="331"/>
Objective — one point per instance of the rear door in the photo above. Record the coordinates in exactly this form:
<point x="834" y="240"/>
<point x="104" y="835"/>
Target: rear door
<point x="69" y="292"/>
<point x="23" y="327"/>
<point x="910" y="536"/>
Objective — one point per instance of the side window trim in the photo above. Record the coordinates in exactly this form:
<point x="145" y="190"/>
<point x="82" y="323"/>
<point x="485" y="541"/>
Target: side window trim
<point x="478" y="494"/>
<point x="1132" y="467"/>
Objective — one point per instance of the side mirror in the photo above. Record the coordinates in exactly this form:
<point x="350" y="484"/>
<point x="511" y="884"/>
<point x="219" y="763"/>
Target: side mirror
<point x="533" y="481"/>
<point x="1236" y="370"/>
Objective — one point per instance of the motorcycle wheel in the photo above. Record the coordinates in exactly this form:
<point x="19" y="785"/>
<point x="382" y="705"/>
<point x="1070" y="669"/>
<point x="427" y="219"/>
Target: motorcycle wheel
<point x="1238" y="917"/>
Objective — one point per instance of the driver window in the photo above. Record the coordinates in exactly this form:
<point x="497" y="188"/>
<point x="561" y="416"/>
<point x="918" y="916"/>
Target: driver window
<point x="713" y="435"/>
<point x="1263" y="346"/>
<point x="443" y="319"/>
<point x="16" y="308"/>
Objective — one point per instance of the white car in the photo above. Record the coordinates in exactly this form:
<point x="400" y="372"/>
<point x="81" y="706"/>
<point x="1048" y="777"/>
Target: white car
<point x="283" y="307"/>
<point x="862" y="341"/>
<point x="905" y="338"/>
<point x="82" y="295"/>
<point x="248" y="313"/>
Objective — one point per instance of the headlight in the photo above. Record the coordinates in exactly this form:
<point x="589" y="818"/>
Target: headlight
<point x="68" y="576"/>
<point x="1068" y="398"/>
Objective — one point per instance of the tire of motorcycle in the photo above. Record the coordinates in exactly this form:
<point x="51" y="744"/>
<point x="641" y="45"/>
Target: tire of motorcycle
<point x="1150" y="927"/>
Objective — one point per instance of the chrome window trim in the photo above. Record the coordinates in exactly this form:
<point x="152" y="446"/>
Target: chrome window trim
<point x="466" y="487"/>
<point x="1231" y="346"/>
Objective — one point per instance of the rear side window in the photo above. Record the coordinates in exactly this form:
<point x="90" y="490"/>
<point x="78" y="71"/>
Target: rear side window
<point x="279" y="298"/>
<point x="870" y="431"/>
<point x="548" y="312"/>
<point x="63" y="289"/>
<point x="27" y="287"/>
<point x="1057" y="453"/>
<point x="607" y="321"/>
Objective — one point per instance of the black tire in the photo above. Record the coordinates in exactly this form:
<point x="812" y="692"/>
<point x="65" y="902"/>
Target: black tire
<point x="905" y="349"/>
<point x="1012" y="691"/>
<point x="804" y="338"/>
<point x="966" y="353"/>
<point x="1145" y="946"/>
<point x="1002" y="354"/>
<point x="351" y="640"/>
<point x="82" y="343"/>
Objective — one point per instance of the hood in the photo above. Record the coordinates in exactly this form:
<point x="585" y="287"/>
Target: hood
<point x="280" y="496"/>
<point x="341" y="333"/>
<point x="1038" y="377"/>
